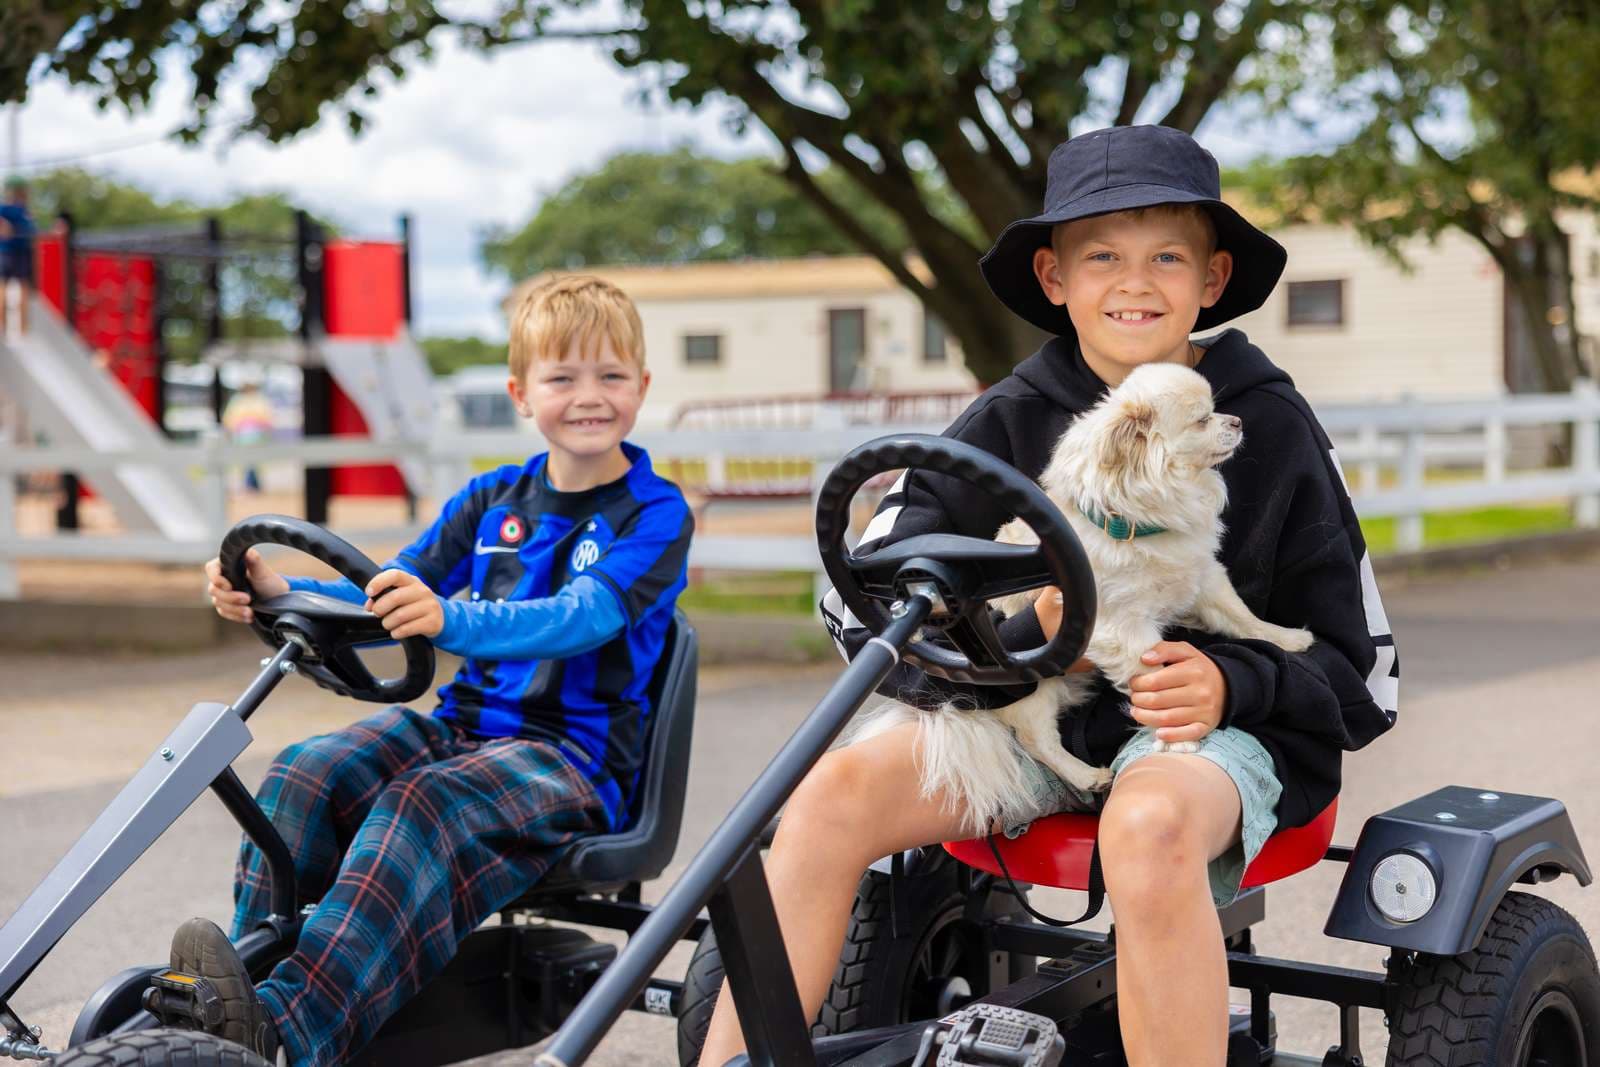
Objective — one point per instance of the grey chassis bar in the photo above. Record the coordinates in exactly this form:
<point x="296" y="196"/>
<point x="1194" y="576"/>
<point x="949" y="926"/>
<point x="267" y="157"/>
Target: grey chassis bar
<point x="708" y="872"/>
<point x="202" y="747"/>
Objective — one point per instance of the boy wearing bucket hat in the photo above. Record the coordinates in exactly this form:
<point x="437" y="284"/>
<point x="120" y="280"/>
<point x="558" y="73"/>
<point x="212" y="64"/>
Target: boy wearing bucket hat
<point x="1134" y="250"/>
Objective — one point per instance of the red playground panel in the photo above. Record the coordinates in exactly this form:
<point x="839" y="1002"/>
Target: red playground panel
<point x="114" y="312"/>
<point x="362" y="297"/>
<point x="49" y="269"/>
<point x="363" y="289"/>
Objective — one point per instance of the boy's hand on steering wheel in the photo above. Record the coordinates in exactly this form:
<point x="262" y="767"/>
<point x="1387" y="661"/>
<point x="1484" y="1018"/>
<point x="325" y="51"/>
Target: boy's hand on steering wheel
<point x="233" y="604"/>
<point x="1184" y="700"/>
<point x="406" y="605"/>
<point x="1048" y="605"/>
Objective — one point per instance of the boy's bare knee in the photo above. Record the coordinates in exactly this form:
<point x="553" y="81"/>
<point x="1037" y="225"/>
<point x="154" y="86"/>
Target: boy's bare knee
<point x="832" y="799"/>
<point x="1148" y="839"/>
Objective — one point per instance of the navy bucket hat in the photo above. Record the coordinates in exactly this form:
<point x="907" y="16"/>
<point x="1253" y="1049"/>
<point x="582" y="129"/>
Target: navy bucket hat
<point x="1118" y="169"/>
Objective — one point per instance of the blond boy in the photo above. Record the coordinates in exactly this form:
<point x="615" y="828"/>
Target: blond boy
<point x="571" y="563"/>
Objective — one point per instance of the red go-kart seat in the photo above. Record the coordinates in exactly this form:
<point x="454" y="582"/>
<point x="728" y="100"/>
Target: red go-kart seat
<point x="1056" y="850"/>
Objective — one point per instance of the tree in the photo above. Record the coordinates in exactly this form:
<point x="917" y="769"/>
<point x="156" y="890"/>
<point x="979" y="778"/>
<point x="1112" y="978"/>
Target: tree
<point x="675" y="207"/>
<point x="1473" y="115"/>
<point x="97" y="202"/>
<point x="446" y="355"/>
<point x="919" y="106"/>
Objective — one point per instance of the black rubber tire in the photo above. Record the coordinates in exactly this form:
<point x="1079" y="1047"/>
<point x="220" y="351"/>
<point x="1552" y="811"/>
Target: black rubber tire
<point x="1527" y="996"/>
<point x="160" y="1048"/>
<point x="701" y="984"/>
<point x="876" y="968"/>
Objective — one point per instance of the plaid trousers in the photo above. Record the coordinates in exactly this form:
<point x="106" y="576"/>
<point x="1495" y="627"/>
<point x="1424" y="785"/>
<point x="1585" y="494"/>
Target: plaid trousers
<point x="410" y="834"/>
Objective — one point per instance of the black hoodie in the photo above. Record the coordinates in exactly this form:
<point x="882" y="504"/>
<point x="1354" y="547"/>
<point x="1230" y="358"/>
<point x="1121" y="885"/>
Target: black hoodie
<point x="1292" y="547"/>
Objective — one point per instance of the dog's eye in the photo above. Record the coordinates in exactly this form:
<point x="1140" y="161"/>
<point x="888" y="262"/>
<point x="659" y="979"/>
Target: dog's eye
<point x="1202" y="420"/>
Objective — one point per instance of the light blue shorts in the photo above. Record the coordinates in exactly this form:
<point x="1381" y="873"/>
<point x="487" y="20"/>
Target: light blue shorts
<point x="1236" y="752"/>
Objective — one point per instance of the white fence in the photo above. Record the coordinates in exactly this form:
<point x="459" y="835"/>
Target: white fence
<point x="1405" y="438"/>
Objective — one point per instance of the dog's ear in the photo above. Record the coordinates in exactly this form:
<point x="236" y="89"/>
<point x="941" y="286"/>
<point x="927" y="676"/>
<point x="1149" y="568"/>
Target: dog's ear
<point x="1126" y="440"/>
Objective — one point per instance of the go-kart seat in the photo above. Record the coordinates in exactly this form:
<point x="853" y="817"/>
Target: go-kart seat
<point x="642" y="850"/>
<point x="1055" y="851"/>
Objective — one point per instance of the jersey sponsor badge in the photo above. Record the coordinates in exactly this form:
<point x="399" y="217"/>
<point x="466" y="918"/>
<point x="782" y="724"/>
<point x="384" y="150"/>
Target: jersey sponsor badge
<point x="512" y="530"/>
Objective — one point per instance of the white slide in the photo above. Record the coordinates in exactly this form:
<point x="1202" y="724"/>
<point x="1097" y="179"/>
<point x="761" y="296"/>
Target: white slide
<point x="79" y="405"/>
<point x="389" y="381"/>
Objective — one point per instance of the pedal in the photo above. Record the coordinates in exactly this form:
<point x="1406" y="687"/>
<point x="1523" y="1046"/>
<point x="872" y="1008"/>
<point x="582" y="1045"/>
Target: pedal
<point x="988" y="1035"/>
<point x="184" y="1001"/>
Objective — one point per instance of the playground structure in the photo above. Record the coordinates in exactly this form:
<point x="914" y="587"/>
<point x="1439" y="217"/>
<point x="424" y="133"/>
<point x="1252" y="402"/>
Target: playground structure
<point x="89" y="374"/>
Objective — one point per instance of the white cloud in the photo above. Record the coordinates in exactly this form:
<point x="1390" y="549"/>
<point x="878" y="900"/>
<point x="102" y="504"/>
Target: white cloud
<point x="463" y="142"/>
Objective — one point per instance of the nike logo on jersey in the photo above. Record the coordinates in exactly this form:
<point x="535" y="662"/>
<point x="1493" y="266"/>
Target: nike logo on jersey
<point x="483" y="550"/>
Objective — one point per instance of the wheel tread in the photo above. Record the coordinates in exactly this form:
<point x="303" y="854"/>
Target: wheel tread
<point x="1448" y="1009"/>
<point x="160" y="1048"/>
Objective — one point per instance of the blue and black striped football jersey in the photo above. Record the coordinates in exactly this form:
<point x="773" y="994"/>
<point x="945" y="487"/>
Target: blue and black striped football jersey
<point x="510" y="536"/>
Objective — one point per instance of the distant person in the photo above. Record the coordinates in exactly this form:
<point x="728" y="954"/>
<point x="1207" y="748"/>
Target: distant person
<point x="16" y="252"/>
<point x="247" y="420"/>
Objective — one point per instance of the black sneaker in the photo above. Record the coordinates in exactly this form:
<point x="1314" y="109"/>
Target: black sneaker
<point x="209" y="989"/>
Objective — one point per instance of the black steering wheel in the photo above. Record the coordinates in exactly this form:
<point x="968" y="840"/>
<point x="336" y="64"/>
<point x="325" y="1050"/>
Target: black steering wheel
<point x="959" y="574"/>
<point x="328" y="629"/>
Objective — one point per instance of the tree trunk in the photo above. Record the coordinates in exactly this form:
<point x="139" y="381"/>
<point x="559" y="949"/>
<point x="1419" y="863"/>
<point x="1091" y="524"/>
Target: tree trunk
<point x="1558" y="271"/>
<point x="1540" y="279"/>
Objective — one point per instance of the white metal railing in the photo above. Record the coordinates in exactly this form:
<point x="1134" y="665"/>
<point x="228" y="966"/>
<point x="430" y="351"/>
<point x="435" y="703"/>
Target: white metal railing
<point x="1405" y="437"/>
<point x="1413" y="422"/>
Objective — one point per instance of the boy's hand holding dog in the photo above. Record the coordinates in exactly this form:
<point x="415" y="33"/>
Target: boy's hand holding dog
<point x="406" y="605"/>
<point x="1185" y="698"/>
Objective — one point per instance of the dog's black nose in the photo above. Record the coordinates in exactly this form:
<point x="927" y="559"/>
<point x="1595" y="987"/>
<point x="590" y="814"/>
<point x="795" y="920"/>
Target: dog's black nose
<point x="1233" y="421"/>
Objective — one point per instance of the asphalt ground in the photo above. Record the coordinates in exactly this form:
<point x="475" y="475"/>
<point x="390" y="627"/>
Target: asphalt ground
<point x="1498" y="683"/>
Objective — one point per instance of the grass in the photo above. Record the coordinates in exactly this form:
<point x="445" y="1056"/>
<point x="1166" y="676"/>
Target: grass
<point x="786" y="593"/>
<point x="1465" y="527"/>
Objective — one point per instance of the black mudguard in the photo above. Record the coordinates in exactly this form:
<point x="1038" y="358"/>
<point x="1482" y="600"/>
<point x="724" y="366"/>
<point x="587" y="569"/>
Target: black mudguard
<point x="1477" y="842"/>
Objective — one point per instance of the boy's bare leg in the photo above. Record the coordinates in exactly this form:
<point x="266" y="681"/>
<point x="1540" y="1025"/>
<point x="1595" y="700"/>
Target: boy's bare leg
<point x="1167" y="816"/>
<point x="24" y="290"/>
<point x="858" y="804"/>
<point x="5" y="306"/>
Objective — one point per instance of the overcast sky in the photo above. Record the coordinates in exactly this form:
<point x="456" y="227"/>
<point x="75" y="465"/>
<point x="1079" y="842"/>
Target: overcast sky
<point x="462" y="143"/>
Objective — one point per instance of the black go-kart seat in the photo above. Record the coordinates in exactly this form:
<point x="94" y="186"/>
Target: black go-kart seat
<point x="607" y="862"/>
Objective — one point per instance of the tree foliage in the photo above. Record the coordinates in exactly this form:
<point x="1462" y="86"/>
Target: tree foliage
<point x="1469" y="115"/>
<point x="915" y="107"/>
<point x="446" y="355"/>
<point x="676" y="207"/>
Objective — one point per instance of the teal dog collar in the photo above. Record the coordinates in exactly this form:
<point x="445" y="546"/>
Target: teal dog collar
<point x="1118" y="528"/>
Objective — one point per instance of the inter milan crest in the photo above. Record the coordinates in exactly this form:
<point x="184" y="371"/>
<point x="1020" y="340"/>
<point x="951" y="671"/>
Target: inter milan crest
<point x="511" y="530"/>
<point x="583" y="555"/>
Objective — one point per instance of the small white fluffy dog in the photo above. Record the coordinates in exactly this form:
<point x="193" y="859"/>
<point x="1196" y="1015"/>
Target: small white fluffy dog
<point x="1144" y="457"/>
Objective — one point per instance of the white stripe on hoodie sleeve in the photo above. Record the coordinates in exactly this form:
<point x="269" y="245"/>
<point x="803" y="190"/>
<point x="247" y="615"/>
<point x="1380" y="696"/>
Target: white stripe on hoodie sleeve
<point x="835" y="616"/>
<point x="1384" y="680"/>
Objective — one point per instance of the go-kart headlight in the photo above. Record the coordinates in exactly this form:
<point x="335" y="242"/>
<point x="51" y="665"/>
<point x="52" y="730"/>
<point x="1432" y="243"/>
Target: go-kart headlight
<point x="1403" y="887"/>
